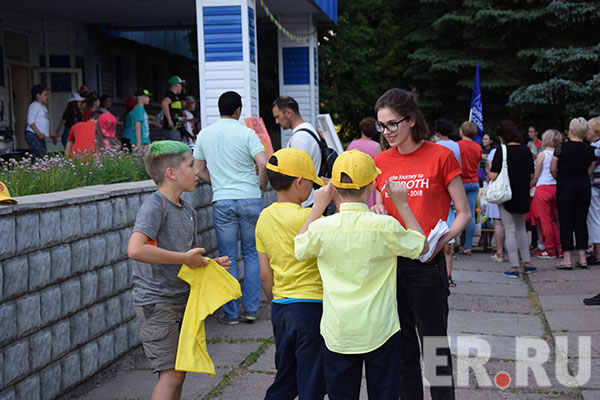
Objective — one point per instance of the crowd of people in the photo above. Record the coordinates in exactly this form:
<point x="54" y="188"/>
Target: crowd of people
<point x="368" y="285"/>
<point x="88" y="123"/>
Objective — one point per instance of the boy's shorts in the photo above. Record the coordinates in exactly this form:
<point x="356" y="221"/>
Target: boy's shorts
<point x="160" y="324"/>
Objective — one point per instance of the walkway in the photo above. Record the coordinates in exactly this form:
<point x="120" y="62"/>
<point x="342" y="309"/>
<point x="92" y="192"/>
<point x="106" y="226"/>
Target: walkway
<point x="484" y="305"/>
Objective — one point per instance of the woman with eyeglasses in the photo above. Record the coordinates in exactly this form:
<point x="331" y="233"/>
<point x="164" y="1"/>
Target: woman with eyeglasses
<point x="433" y="178"/>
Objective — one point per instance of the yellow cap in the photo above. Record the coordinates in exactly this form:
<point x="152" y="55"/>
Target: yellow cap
<point x="295" y="162"/>
<point x="359" y="166"/>
<point x="5" y="195"/>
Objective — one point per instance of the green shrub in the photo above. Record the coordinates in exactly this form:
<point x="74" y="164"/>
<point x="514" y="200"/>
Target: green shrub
<point x="54" y="173"/>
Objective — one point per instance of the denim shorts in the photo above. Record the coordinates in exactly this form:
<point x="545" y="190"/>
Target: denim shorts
<point x="159" y="326"/>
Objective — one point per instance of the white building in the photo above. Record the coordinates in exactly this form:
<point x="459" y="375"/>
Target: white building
<point x="115" y="47"/>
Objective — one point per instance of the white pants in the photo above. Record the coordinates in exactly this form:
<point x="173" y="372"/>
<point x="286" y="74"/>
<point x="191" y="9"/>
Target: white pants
<point x="593" y="218"/>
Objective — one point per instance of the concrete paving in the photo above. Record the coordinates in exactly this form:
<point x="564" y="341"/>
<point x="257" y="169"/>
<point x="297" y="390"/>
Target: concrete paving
<point x="486" y="307"/>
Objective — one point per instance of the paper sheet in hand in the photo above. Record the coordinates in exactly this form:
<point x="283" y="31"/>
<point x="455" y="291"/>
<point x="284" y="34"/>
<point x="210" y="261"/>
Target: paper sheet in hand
<point x="434" y="236"/>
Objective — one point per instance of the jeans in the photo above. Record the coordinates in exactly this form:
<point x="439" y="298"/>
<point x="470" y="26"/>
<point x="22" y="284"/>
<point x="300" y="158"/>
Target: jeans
<point x="343" y="372"/>
<point x="37" y="146"/>
<point x="231" y="217"/>
<point x="423" y="305"/>
<point x="298" y="355"/>
<point x="472" y="189"/>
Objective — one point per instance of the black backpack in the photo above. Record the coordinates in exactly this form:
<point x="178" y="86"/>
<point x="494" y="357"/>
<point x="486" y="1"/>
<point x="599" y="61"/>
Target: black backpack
<point x="328" y="155"/>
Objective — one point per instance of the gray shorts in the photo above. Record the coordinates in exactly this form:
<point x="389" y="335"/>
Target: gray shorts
<point x="168" y="134"/>
<point x="160" y="324"/>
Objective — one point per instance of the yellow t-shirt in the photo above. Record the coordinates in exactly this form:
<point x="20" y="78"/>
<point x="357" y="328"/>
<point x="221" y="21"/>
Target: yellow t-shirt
<point x="356" y="252"/>
<point x="210" y="287"/>
<point x="276" y="229"/>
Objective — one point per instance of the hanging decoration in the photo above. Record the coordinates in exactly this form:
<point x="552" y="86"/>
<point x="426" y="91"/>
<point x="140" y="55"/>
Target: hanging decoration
<point x="290" y="35"/>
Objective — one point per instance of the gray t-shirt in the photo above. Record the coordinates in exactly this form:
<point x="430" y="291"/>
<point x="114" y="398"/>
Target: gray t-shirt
<point x="173" y="228"/>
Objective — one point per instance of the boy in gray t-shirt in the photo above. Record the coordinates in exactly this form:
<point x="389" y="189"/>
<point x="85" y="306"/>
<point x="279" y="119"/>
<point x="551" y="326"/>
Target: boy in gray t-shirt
<point x="163" y="238"/>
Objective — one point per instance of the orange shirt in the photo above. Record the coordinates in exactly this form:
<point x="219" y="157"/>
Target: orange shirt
<point x="427" y="172"/>
<point x="83" y="135"/>
<point x="470" y="156"/>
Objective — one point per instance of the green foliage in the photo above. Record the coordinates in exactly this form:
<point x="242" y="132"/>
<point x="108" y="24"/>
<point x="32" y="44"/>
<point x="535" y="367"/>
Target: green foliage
<point x="538" y="59"/>
<point x="566" y="82"/>
<point x="361" y="57"/>
<point x="55" y="173"/>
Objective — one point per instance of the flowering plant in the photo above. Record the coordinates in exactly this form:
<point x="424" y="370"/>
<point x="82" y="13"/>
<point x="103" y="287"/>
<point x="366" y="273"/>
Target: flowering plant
<point x="54" y="173"/>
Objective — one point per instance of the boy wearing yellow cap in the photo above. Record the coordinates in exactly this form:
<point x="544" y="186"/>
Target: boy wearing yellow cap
<point x="293" y="286"/>
<point x="356" y="253"/>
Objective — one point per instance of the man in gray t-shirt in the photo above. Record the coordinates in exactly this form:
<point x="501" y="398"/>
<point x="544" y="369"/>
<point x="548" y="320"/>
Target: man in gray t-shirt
<point x="171" y="227"/>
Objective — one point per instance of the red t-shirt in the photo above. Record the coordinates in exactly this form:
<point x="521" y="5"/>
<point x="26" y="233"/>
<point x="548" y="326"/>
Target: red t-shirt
<point x="427" y="173"/>
<point x="470" y="156"/>
<point x="83" y="135"/>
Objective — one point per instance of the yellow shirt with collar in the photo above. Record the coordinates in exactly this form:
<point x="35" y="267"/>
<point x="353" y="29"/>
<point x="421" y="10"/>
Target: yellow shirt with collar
<point x="276" y="228"/>
<point x="356" y="254"/>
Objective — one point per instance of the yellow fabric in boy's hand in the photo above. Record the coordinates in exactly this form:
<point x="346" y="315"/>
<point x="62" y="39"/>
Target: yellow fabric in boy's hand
<point x="210" y="288"/>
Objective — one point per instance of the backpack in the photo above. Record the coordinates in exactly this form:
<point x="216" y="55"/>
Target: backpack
<point x="328" y="155"/>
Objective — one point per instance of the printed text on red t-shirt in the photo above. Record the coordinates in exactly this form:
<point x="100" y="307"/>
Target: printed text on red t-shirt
<point x="415" y="183"/>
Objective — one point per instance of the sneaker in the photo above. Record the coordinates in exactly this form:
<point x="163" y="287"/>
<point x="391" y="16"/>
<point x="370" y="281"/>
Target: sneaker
<point x="591" y="260"/>
<point x="529" y="270"/>
<point x="248" y="316"/>
<point x="511" y="274"/>
<point x="228" y="320"/>
<point x="592" y="301"/>
<point x="547" y="254"/>
<point x="496" y="258"/>
<point x="536" y="252"/>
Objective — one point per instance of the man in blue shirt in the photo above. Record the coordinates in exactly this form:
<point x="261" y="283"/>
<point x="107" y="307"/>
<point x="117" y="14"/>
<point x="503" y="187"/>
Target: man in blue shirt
<point x="233" y="153"/>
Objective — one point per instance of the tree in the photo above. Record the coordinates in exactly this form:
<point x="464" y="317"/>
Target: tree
<point x="452" y="35"/>
<point x="361" y="57"/>
<point x="568" y="69"/>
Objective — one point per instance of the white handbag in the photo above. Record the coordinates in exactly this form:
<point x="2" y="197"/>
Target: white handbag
<point x="498" y="191"/>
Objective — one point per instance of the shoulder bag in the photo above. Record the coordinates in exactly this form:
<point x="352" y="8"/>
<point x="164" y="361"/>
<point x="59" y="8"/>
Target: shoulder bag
<point x="498" y="191"/>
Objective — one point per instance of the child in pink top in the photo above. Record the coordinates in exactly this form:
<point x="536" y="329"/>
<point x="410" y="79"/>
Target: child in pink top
<point x="367" y="145"/>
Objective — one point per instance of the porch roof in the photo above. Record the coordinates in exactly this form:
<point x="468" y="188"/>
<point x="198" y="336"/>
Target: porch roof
<point x="152" y="14"/>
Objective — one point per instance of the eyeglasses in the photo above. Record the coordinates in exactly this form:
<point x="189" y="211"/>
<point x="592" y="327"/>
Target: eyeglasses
<point x="391" y="127"/>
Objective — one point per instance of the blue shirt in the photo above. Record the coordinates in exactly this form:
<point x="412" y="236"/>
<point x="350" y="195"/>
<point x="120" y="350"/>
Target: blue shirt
<point x="228" y="147"/>
<point x="138" y="114"/>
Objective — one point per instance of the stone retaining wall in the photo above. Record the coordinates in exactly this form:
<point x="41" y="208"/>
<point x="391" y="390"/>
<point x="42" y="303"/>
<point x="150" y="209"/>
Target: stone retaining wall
<point x="65" y="284"/>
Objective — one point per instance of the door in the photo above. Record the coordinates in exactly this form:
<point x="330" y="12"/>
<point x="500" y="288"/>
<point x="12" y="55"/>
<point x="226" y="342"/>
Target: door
<point x="62" y="82"/>
<point x="19" y="90"/>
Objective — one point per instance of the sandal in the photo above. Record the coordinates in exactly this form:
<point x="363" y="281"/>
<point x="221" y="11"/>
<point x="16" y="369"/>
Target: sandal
<point x="451" y="282"/>
<point x="582" y="266"/>
<point x="564" y="266"/>
<point x="497" y="258"/>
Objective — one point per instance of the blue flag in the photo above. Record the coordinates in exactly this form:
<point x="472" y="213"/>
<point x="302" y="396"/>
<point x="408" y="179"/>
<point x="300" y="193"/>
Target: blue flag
<point x="476" y="112"/>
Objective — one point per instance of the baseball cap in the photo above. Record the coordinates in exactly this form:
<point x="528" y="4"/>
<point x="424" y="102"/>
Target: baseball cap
<point x="295" y="162"/>
<point x="108" y="124"/>
<point x="75" y="97"/>
<point x="142" y="92"/>
<point x="359" y="166"/>
<point x="84" y="90"/>
<point x="5" y="195"/>
<point x="37" y="89"/>
<point x="130" y="103"/>
<point x="175" y="79"/>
